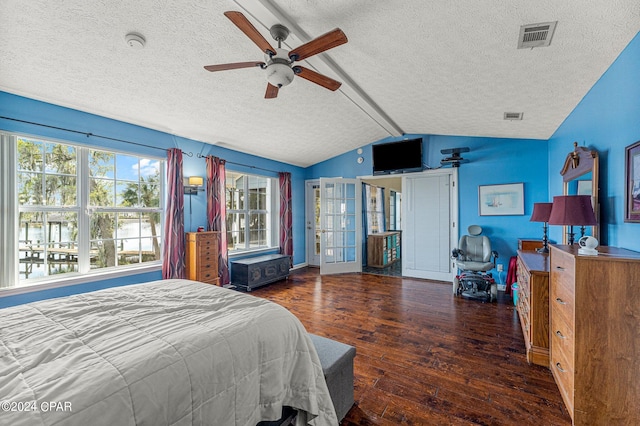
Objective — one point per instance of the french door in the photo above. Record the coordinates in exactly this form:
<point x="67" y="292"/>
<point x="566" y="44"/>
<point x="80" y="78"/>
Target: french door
<point x="340" y="225"/>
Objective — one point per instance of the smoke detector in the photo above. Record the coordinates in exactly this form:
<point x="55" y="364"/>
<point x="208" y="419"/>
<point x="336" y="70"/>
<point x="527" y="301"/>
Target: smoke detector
<point x="135" y="40"/>
<point x="536" y="35"/>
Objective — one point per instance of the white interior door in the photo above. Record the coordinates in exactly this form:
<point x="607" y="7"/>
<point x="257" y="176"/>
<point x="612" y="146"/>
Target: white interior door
<point x="341" y="225"/>
<point x="312" y="218"/>
<point x="429" y="220"/>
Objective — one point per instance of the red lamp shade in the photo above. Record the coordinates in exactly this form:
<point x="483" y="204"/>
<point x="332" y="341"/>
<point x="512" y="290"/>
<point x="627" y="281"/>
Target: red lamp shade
<point x="572" y="210"/>
<point x="541" y="212"/>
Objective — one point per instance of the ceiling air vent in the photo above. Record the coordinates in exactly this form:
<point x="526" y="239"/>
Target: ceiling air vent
<point x="513" y="115"/>
<point x="536" y="35"/>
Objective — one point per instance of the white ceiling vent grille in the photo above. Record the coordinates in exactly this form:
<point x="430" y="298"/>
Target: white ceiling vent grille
<point x="536" y="35"/>
<point x="513" y="115"/>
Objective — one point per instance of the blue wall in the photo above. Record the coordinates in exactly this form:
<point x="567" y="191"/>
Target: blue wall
<point x="491" y="161"/>
<point x="30" y="110"/>
<point x="607" y="120"/>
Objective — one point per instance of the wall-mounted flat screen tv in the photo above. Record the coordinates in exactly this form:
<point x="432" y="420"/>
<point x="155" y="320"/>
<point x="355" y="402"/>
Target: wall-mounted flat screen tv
<point x="397" y="157"/>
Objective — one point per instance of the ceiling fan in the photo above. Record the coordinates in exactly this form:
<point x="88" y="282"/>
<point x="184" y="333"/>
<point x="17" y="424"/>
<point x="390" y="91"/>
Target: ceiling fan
<point x="279" y="62"/>
<point x="454" y="159"/>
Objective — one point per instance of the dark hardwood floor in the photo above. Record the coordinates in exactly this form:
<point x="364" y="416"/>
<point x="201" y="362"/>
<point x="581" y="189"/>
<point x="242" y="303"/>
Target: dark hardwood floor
<point x="424" y="357"/>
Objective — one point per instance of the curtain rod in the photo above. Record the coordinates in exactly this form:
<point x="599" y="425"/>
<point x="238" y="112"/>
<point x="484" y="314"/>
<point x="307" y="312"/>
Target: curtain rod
<point x="244" y="165"/>
<point x="87" y="134"/>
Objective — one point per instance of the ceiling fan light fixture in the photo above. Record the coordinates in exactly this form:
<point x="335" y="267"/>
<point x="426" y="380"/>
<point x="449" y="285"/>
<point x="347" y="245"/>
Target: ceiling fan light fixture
<point x="279" y="74"/>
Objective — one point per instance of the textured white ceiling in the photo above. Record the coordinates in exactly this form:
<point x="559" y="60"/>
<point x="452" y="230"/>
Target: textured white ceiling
<point x="447" y="67"/>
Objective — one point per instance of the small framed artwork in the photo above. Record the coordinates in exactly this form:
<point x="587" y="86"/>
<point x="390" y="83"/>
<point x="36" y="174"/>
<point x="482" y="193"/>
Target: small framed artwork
<point x="501" y="200"/>
<point x="632" y="179"/>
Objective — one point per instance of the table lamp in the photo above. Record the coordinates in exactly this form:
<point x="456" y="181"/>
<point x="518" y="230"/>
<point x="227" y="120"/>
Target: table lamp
<point x="541" y="212"/>
<point x="570" y="210"/>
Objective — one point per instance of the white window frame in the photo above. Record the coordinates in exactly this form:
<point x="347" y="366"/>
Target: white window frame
<point x="10" y="280"/>
<point x="272" y="211"/>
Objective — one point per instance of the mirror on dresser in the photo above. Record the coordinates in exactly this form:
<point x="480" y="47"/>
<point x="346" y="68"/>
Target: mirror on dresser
<point x="580" y="177"/>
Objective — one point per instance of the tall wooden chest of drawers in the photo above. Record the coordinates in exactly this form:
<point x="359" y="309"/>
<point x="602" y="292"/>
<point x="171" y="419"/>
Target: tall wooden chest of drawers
<point x="595" y="334"/>
<point x="533" y="304"/>
<point x="202" y="257"/>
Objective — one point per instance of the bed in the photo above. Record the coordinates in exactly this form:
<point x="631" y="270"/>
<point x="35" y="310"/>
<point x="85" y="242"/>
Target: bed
<point x="170" y="352"/>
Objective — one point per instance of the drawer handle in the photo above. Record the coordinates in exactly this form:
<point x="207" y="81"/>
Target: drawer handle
<point x="559" y="367"/>
<point x="560" y="335"/>
<point x="559" y="268"/>
<point x="560" y="301"/>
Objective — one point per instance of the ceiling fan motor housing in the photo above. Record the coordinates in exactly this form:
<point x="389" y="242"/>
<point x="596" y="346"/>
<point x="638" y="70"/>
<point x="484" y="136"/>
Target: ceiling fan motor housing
<point x="279" y="72"/>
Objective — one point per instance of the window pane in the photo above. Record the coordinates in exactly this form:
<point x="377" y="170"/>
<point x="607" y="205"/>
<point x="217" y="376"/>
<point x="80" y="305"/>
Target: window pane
<point x="127" y="194"/>
<point x="128" y="225"/>
<point x="48" y="243"/>
<point x="101" y="193"/>
<point x="103" y="226"/>
<point x="103" y="254"/>
<point x="30" y="189"/>
<point x="235" y="231"/>
<point x="150" y="249"/>
<point x="149" y="168"/>
<point x="150" y="190"/>
<point x="127" y="168"/>
<point x="61" y="190"/>
<point x="60" y="159"/>
<point x="151" y="226"/>
<point x="30" y="155"/>
<point x="101" y="164"/>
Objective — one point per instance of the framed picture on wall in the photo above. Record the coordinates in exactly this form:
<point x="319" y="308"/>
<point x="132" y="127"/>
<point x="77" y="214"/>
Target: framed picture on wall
<point x="632" y="179"/>
<point x="501" y="200"/>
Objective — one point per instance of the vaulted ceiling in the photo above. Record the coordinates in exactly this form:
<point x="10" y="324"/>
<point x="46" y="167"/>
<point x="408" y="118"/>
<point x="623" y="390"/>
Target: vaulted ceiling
<point x="448" y="67"/>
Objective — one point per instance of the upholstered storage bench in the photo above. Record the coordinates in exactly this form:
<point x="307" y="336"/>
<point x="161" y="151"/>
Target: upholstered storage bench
<point x="337" y="365"/>
<point x="257" y="271"/>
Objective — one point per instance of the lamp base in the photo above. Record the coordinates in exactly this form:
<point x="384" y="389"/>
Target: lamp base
<point x="543" y="249"/>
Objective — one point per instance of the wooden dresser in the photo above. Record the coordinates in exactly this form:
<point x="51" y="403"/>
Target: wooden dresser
<point x="595" y="334"/>
<point x="383" y="248"/>
<point x="533" y="304"/>
<point x="202" y="257"/>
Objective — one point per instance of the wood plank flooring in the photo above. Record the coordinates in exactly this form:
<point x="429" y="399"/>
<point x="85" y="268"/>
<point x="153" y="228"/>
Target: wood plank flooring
<point x="424" y="357"/>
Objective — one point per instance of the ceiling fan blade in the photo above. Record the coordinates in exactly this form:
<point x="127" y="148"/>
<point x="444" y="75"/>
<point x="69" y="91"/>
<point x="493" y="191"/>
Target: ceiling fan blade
<point x="272" y="91"/>
<point x="317" y="78"/>
<point x="233" y="66"/>
<point x="319" y="44"/>
<point x="250" y="31"/>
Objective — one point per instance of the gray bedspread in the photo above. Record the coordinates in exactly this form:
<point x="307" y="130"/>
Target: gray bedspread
<point x="172" y="352"/>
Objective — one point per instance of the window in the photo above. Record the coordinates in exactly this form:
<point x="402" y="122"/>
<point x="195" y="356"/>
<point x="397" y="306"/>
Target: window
<point x="251" y="212"/>
<point x="80" y="209"/>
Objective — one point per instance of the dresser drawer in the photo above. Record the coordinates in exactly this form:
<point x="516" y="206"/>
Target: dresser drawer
<point x="564" y="375"/>
<point x="209" y="254"/>
<point x="210" y="278"/>
<point x="562" y="339"/>
<point x="562" y="269"/>
<point x="562" y="303"/>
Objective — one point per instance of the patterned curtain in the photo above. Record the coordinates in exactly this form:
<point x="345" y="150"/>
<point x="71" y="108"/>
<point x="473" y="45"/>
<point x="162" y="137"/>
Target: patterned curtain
<point x="217" y="212"/>
<point x="286" y="216"/>
<point x="173" y="265"/>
